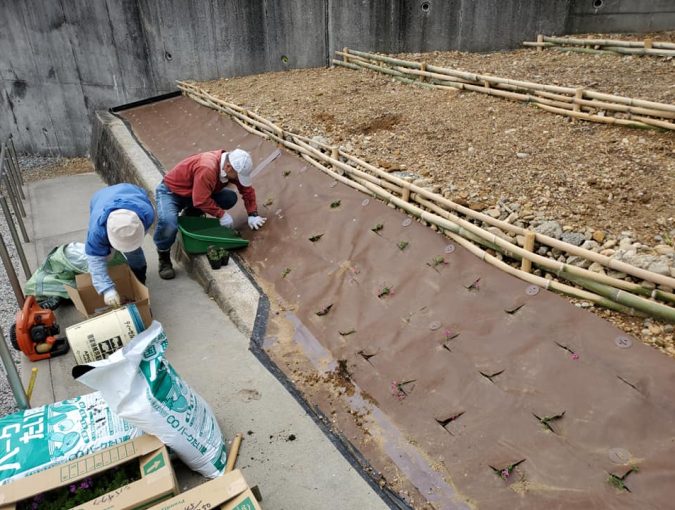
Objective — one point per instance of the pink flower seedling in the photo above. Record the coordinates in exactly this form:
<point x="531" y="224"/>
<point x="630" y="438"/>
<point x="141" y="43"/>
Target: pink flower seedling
<point x="398" y="389"/>
<point x="575" y="356"/>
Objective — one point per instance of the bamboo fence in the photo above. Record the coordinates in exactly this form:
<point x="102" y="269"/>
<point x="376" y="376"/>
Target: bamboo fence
<point x="600" y="46"/>
<point x="434" y="209"/>
<point x="577" y="103"/>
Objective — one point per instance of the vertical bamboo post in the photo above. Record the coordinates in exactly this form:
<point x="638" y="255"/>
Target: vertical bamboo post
<point x="335" y="155"/>
<point x="649" y="43"/>
<point x="423" y="68"/>
<point x="345" y="50"/>
<point x="540" y="41"/>
<point x="526" y="265"/>
<point x="405" y="194"/>
<point x="232" y="454"/>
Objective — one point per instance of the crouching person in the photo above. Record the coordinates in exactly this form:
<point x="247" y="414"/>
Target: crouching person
<point x="119" y="217"/>
<point x="199" y="182"/>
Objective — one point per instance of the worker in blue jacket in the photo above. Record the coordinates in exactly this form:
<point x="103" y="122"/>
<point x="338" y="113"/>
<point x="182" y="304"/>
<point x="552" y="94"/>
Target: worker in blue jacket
<point x="119" y="217"/>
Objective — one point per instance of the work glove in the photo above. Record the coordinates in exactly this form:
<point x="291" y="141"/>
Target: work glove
<point x="226" y="221"/>
<point x="255" y="222"/>
<point x="112" y="298"/>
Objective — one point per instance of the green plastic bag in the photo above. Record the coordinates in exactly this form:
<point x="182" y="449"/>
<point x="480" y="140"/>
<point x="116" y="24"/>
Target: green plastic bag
<point x="60" y="268"/>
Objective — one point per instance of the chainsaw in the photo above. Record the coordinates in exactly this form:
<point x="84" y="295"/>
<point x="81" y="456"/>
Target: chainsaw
<point x="35" y="330"/>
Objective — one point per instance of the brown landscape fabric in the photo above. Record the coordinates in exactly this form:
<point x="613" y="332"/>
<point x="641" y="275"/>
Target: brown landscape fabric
<point x="440" y="369"/>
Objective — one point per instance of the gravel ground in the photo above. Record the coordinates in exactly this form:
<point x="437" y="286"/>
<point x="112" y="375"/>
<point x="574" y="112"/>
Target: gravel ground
<point x="33" y="168"/>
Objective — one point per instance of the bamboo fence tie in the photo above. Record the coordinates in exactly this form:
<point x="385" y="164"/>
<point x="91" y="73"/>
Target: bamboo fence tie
<point x="375" y="186"/>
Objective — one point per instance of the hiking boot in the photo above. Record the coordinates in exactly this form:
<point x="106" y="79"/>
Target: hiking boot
<point x="166" y="271"/>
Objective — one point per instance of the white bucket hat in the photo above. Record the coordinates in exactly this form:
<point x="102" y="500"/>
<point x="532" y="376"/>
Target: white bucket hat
<point x="243" y="164"/>
<point x="125" y="230"/>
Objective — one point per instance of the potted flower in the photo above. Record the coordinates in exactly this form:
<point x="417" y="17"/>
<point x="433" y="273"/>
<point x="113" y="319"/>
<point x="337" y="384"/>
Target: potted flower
<point x="214" y="255"/>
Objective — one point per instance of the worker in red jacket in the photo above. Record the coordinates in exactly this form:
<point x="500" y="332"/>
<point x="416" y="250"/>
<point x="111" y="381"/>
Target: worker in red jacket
<point x="199" y="182"/>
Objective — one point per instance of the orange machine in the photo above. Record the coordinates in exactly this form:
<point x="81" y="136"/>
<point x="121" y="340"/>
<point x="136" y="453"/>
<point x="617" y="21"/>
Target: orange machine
<point x="35" y="330"/>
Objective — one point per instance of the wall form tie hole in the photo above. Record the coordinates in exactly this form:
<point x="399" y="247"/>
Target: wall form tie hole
<point x="284" y="59"/>
<point x="598" y="3"/>
<point x="168" y="56"/>
<point x="426" y="6"/>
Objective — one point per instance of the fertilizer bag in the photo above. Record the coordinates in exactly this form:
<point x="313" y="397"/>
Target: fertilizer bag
<point x="142" y="387"/>
<point x="38" y="438"/>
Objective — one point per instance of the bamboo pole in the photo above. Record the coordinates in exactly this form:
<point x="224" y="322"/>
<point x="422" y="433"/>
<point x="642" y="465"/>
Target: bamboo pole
<point x="402" y="185"/>
<point x="608" y="42"/>
<point x="603" y="49"/>
<point x="594" y="118"/>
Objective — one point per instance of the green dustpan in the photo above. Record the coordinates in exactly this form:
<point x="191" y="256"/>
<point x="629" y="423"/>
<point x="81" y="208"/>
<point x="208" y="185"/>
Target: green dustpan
<point x="199" y="233"/>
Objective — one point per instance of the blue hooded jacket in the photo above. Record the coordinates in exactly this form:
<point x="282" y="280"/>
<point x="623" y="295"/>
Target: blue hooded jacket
<point x="97" y="247"/>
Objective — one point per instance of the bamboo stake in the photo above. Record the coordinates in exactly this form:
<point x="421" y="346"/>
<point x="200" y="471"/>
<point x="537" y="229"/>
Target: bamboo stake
<point x="540" y="40"/>
<point x="404" y="185"/>
<point x="31" y="383"/>
<point x="232" y="454"/>
<point x="526" y="264"/>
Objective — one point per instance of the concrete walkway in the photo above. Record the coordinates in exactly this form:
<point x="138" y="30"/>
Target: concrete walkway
<point x="283" y="452"/>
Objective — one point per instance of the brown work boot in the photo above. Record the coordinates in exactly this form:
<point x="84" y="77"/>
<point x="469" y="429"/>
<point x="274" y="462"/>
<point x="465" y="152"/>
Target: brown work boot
<point x="166" y="271"/>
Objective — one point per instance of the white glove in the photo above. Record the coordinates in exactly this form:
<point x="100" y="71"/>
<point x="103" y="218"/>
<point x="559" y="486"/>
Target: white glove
<point x="255" y="222"/>
<point x="226" y="221"/>
<point x="112" y="298"/>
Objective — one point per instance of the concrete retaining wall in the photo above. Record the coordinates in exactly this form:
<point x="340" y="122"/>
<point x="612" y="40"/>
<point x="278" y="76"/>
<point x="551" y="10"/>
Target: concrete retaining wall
<point x="621" y="16"/>
<point x="62" y="61"/>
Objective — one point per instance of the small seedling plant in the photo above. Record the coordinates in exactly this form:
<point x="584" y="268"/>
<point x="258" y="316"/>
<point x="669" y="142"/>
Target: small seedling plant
<point x="619" y="482"/>
<point x="506" y="472"/>
<point x="437" y="261"/>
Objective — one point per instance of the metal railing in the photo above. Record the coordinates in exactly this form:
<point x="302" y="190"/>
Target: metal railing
<point x="12" y="183"/>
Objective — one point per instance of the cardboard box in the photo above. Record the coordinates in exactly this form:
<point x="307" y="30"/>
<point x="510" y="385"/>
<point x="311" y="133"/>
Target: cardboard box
<point x="89" y="303"/>
<point x="227" y="492"/>
<point x="158" y="481"/>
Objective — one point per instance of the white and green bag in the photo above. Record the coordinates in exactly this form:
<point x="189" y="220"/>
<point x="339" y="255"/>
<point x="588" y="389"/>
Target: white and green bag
<point x="38" y="438"/>
<point x="142" y="387"/>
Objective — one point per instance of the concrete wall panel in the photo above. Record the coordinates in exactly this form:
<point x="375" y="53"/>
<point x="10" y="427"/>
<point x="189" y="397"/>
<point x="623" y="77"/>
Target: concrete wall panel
<point x="621" y="16"/>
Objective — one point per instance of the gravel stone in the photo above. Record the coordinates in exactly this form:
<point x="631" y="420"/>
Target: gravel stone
<point x="550" y="228"/>
<point x="575" y="238"/>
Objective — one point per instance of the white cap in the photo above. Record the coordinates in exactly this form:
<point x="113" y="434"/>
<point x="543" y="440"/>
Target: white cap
<point x="125" y="230"/>
<point x="243" y="164"/>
